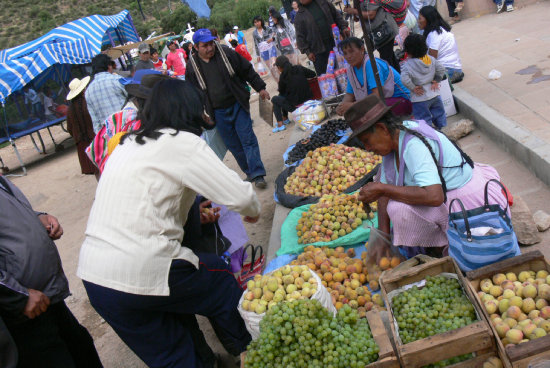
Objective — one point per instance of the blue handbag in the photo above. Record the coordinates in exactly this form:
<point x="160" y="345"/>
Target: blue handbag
<point x="470" y="251"/>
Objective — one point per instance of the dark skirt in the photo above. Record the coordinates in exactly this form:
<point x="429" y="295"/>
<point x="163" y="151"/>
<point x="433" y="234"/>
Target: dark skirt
<point x="86" y="166"/>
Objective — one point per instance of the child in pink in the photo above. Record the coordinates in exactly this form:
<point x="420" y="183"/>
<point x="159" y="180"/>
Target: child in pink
<point x="175" y="60"/>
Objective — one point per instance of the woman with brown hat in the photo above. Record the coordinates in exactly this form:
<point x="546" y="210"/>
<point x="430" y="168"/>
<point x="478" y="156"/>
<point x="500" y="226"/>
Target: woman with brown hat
<point x="79" y="123"/>
<point x="421" y="172"/>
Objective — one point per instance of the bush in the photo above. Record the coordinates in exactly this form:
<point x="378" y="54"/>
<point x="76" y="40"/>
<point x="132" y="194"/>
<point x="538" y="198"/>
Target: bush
<point x="178" y="19"/>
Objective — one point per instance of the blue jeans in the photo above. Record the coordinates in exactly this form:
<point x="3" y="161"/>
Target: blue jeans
<point x="235" y="127"/>
<point x="156" y="327"/>
<point x="431" y="111"/>
<point x="507" y="2"/>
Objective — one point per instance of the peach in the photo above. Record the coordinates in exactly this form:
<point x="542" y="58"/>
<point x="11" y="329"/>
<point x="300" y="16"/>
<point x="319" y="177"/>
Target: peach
<point x="523" y="276"/>
<point x="534" y="314"/>
<point x="542" y="274"/>
<point x="537" y="332"/>
<point x="377" y="299"/>
<point x="529" y="291"/>
<point x="516" y="301"/>
<point x="511" y="276"/>
<point x="395" y="261"/>
<point x="540" y="303"/>
<point x="502" y="328"/>
<point x="384" y="263"/>
<point x="510" y="322"/>
<point x="544" y="291"/>
<point x="507" y="285"/>
<point x="374" y="286"/>
<point x="491" y="306"/>
<point x="545" y="312"/>
<point x="513" y="312"/>
<point x="528" y="305"/>
<point x="508" y="294"/>
<point x="503" y="305"/>
<point x="495" y="291"/>
<point x="514" y="336"/>
<point x="486" y="285"/>
<point x="528" y="329"/>
<point x="499" y="278"/>
<point x="545" y="325"/>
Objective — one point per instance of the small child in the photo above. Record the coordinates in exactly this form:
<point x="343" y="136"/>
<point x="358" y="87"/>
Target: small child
<point x="421" y="73"/>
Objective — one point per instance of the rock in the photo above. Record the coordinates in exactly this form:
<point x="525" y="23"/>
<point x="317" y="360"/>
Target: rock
<point x="460" y="129"/>
<point x="542" y="220"/>
<point x="523" y="223"/>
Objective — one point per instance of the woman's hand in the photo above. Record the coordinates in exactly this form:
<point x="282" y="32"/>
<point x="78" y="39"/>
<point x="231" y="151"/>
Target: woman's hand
<point x="435" y="86"/>
<point x="371" y="192"/>
<point x="251" y="220"/>
<point x="208" y="215"/>
<point x="264" y="94"/>
<point x="343" y="107"/>
<point x="258" y="60"/>
<point x="311" y="56"/>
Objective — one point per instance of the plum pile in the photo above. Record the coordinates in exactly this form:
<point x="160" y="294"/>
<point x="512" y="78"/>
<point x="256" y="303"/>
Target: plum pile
<point x="323" y="136"/>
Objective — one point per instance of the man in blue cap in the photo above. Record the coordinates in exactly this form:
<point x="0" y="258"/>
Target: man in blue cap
<point x="222" y="75"/>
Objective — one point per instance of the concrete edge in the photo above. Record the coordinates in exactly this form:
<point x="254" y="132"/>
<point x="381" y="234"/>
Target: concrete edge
<point x="525" y="146"/>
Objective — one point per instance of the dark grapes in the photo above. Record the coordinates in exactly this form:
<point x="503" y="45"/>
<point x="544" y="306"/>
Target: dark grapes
<point x="302" y="333"/>
<point x="323" y="136"/>
<point x="438" y="307"/>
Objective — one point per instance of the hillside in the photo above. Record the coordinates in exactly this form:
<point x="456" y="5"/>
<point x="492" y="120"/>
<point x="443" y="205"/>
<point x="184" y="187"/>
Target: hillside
<point x="24" y="20"/>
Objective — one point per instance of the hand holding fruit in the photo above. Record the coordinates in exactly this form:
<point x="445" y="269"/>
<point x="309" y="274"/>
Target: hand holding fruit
<point x="371" y="192"/>
<point x="343" y="107"/>
<point x="208" y="214"/>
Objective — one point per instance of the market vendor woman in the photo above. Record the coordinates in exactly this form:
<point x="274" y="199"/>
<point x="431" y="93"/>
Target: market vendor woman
<point x="421" y="172"/>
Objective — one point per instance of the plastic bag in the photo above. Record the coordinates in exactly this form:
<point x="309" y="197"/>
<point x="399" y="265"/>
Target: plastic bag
<point x="261" y="69"/>
<point x="494" y="74"/>
<point x="310" y="113"/>
<point x="380" y="246"/>
<point x="293" y="201"/>
<point x="252" y="319"/>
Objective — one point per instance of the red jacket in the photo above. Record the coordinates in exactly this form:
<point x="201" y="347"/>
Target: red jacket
<point x="241" y="50"/>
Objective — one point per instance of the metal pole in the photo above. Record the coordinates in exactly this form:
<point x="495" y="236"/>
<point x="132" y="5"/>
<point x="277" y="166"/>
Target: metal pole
<point x="12" y="142"/>
<point x="370" y="49"/>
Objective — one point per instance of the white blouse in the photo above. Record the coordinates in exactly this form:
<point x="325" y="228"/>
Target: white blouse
<point x="142" y="200"/>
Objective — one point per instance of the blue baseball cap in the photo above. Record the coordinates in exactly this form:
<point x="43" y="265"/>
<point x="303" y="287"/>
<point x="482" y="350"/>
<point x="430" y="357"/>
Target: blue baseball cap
<point x="137" y="76"/>
<point x="202" y="35"/>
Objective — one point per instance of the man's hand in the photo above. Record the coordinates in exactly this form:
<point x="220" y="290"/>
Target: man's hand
<point x="258" y="60"/>
<point x="435" y="86"/>
<point x="371" y="192"/>
<point x="264" y="94"/>
<point x="36" y="304"/>
<point x="208" y="215"/>
<point x="52" y="226"/>
<point x="418" y="90"/>
<point x="311" y="56"/>
<point x="251" y="220"/>
<point x="343" y="107"/>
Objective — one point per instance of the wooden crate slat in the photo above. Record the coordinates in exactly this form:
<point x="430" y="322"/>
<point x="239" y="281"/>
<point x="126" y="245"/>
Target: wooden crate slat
<point x="446" y="345"/>
<point x="380" y="335"/>
<point x="484" y="272"/>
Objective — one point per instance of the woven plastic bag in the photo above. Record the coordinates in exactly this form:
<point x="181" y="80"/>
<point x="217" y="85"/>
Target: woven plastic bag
<point x="252" y="319"/>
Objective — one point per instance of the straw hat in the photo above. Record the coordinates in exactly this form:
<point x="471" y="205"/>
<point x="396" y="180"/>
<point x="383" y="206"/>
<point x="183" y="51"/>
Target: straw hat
<point x="365" y="113"/>
<point x="77" y="86"/>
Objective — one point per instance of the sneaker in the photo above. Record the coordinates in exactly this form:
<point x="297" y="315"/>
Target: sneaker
<point x="457" y="77"/>
<point x="260" y="183"/>
<point x="509" y="8"/>
<point x="278" y="129"/>
<point x="500" y="7"/>
<point x="286" y="122"/>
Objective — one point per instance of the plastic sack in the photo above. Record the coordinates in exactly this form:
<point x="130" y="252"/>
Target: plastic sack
<point x="310" y="113"/>
<point x="379" y="245"/>
<point x="494" y="74"/>
<point x="289" y="237"/>
<point x="331" y="62"/>
<point x="261" y="69"/>
<point x="252" y="319"/>
<point x="410" y="20"/>
<point x="328" y="86"/>
<point x="341" y="80"/>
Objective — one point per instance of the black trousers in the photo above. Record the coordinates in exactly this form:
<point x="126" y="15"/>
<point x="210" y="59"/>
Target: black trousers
<point x="321" y="61"/>
<point x="386" y="53"/>
<point x="281" y="107"/>
<point x="54" y="339"/>
<point x="451" y="6"/>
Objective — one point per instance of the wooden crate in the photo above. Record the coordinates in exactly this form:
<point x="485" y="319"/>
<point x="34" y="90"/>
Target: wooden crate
<point x="475" y="338"/>
<point x="517" y="356"/>
<point x="386" y="355"/>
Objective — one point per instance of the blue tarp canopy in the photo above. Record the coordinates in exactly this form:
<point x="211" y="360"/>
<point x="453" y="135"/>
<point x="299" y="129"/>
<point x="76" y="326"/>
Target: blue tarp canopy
<point x="76" y="42"/>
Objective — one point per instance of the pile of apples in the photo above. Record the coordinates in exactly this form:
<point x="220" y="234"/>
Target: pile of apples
<point x="330" y="170"/>
<point x="287" y="283"/>
<point x="345" y="277"/>
<point x="518" y="305"/>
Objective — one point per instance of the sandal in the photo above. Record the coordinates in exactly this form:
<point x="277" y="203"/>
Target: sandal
<point x="278" y="129"/>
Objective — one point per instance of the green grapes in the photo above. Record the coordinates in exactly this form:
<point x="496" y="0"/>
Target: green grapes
<point x="302" y="333"/>
<point x="438" y="307"/>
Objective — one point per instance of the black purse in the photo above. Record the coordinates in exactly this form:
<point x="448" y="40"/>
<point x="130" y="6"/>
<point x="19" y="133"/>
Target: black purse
<point x="381" y="34"/>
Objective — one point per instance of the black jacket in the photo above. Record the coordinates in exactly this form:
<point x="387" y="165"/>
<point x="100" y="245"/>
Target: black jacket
<point x="294" y="86"/>
<point x="308" y="36"/>
<point x="244" y="72"/>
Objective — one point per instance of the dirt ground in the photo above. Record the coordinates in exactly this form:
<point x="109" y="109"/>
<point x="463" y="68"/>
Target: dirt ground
<point x="55" y="185"/>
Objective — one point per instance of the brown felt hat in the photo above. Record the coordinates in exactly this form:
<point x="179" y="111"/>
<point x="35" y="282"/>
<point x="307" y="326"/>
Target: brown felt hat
<point x="365" y="113"/>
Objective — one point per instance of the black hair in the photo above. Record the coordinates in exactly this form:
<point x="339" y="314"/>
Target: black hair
<point x="393" y="124"/>
<point x="153" y="51"/>
<point x="173" y="104"/>
<point x="213" y="32"/>
<point x="271" y="10"/>
<point x="434" y="21"/>
<point x="260" y="19"/>
<point x="100" y="63"/>
<point x="415" y="46"/>
<point x="280" y="19"/>
<point x="357" y="42"/>
<point x="233" y="42"/>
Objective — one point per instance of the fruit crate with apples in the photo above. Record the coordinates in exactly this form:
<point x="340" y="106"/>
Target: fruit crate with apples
<point x="516" y="356"/>
<point x="476" y="337"/>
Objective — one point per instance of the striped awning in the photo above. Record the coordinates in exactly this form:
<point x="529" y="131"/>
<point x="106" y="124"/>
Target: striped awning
<point x="76" y="42"/>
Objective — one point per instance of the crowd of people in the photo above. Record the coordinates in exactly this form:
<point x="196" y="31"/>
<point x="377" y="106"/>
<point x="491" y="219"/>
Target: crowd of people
<point x="157" y="138"/>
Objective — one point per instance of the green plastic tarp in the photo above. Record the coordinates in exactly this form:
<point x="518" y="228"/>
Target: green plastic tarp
<point x="289" y="237"/>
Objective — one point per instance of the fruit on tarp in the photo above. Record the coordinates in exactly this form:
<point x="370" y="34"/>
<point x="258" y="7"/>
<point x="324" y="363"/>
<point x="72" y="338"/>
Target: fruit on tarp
<point x="330" y="170"/>
<point x="287" y="283"/>
<point x="333" y="217"/>
<point x="304" y="334"/>
<point x="323" y="136"/>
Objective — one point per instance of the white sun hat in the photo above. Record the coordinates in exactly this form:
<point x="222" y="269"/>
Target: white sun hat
<point x="76" y="86"/>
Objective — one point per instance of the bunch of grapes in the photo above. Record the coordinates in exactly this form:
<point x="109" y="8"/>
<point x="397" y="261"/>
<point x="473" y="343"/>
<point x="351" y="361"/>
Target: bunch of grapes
<point x="438" y="307"/>
<point x="323" y="136"/>
<point x="302" y="333"/>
